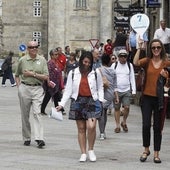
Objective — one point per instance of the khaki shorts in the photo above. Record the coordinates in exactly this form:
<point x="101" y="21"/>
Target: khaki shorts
<point x="124" y="99"/>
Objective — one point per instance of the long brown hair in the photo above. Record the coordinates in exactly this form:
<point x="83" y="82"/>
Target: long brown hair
<point x="86" y="54"/>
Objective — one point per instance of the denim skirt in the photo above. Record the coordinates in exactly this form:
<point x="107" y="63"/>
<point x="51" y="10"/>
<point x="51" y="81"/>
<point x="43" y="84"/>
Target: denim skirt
<point x="84" y="108"/>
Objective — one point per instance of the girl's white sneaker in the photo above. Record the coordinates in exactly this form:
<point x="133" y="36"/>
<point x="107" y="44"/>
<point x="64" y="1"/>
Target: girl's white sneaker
<point x="92" y="156"/>
<point x="83" y="157"/>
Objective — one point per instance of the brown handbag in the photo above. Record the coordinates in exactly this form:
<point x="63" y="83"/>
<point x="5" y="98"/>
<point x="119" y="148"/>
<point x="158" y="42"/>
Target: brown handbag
<point x="141" y="77"/>
<point x="140" y="80"/>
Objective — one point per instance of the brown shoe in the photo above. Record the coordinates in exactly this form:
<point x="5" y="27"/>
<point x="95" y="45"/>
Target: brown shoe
<point x="124" y="126"/>
<point x="117" y="130"/>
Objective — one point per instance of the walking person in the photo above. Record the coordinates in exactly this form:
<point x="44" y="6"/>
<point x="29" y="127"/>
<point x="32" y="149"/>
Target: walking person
<point x="108" y="47"/>
<point x="126" y="87"/>
<point x="110" y="92"/>
<point x="85" y="87"/>
<point x="154" y="65"/>
<point x="52" y="87"/>
<point x="113" y="59"/>
<point x="163" y="34"/>
<point x="30" y="73"/>
<point x="7" y="69"/>
<point x="120" y="41"/>
<point x="96" y="58"/>
<point x="71" y="63"/>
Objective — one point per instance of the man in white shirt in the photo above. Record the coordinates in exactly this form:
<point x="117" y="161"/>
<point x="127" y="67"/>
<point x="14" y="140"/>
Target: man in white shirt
<point x="126" y="87"/>
<point x="163" y="34"/>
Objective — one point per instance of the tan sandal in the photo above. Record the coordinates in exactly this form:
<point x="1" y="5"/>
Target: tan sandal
<point x="144" y="156"/>
<point x="124" y="126"/>
<point x="157" y="160"/>
<point x="117" y="130"/>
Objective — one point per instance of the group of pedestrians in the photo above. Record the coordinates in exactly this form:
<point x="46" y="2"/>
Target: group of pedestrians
<point x="38" y="81"/>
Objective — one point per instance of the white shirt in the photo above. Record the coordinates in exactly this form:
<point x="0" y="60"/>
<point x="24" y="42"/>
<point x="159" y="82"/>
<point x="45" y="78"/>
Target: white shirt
<point x="162" y="35"/>
<point x="125" y="77"/>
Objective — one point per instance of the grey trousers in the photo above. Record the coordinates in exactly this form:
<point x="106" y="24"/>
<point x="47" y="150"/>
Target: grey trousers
<point x="31" y="97"/>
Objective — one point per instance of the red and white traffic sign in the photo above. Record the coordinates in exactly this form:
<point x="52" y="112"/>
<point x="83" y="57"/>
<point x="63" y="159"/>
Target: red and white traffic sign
<point x="93" y="42"/>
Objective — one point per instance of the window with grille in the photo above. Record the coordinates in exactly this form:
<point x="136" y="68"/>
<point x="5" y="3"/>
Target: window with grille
<point x="81" y="4"/>
<point x="37" y="37"/>
<point x="37" y="9"/>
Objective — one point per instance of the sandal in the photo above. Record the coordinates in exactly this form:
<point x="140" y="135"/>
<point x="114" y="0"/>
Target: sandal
<point x="157" y="160"/>
<point x="117" y="130"/>
<point x="124" y="126"/>
<point x="144" y="156"/>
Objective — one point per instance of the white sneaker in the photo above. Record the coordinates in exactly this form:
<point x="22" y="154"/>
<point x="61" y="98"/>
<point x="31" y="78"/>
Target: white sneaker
<point x="92" y="156"/>
<point x="83" y="157"/>
<point x="109" y="111"/>
<point x="3" y="85"/>
<point x="102" y="136"/>
<point x="13" y="85"/>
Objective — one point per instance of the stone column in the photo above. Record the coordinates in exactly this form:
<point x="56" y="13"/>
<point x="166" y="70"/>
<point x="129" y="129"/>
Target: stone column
<point x="56" y="24"/>
<point x="106" y="20"/>
<point x="1" y="34"/>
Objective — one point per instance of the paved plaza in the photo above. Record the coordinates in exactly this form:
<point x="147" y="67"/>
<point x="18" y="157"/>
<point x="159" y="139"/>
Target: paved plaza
<point x="118" y="152"/>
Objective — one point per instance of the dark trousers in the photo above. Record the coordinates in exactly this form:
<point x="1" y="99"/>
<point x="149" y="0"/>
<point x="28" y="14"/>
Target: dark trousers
<point x="102" y="121"/>
<point x="8" y="74"/>
<point x="47" y="97"/>
<point x="149" y="107"/>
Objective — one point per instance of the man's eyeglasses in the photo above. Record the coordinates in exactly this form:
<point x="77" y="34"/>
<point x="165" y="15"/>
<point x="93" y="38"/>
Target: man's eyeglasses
<point x="32" y="47"/>
<point x="156" y="47"/>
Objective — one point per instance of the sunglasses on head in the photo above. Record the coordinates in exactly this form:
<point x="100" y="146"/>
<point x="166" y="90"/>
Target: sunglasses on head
<point x="156" y="47"/>
<point x="32" y="47"/>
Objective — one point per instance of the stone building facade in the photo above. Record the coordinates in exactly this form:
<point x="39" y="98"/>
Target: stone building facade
<point x="56" y="23"/>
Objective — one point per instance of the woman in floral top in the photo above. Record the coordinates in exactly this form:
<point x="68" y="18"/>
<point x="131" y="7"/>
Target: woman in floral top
<point x="53" y="86"/>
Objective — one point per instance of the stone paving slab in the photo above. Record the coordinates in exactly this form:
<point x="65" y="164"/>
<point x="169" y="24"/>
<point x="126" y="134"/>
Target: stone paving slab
<point x="118" y="152"/>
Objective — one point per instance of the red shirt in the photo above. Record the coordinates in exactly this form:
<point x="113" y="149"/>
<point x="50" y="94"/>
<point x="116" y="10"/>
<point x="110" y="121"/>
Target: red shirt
<point x="61" y="61"/>
<point x="108" y="49"/>
<point x="84" y="89"/>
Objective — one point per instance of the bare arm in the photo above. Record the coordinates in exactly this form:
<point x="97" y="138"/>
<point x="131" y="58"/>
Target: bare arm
<point x="17" y="80"/>
<point x="136" y="57"/>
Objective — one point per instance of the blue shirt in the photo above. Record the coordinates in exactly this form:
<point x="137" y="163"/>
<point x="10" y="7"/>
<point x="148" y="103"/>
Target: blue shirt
<point x="132" y="38"/>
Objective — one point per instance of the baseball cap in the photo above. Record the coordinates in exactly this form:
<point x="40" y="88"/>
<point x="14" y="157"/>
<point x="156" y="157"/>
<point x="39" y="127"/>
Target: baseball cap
<point x="122" y="52"/>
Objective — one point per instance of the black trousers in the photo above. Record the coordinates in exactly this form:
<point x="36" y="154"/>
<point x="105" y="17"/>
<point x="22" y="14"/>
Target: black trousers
<point x="149" y="107"/>
<point x="56" y="98"/>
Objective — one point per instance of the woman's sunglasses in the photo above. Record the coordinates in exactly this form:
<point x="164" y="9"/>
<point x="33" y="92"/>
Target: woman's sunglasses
<point x="156" y="47"/>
